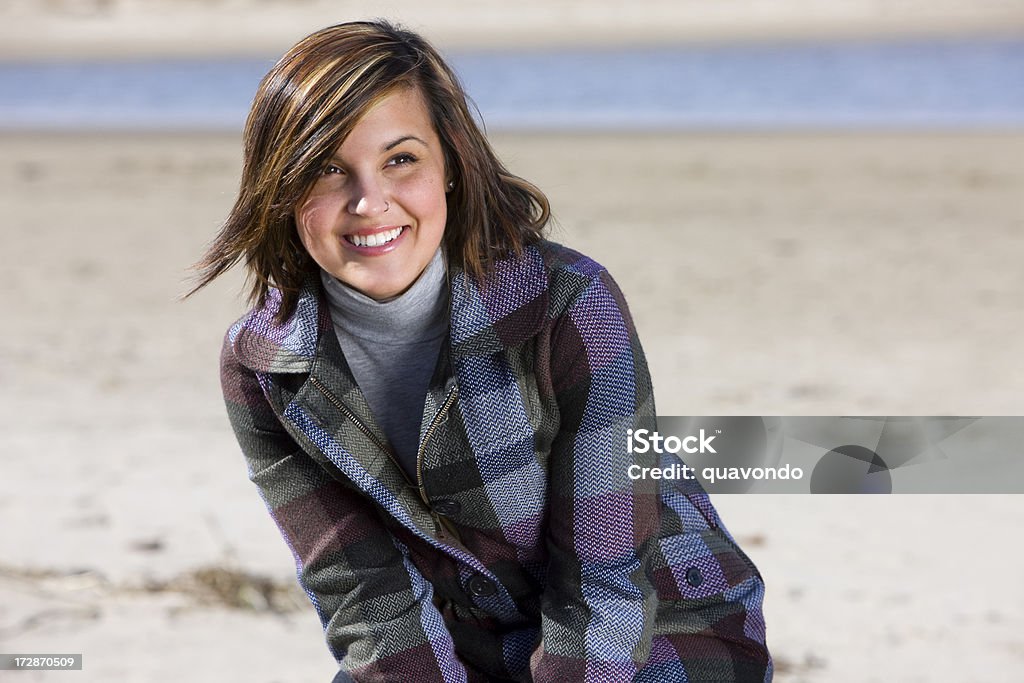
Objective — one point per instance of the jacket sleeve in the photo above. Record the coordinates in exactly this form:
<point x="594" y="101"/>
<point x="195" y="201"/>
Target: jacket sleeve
<point x="376" y="609"/>
<point x="599" y="604"/>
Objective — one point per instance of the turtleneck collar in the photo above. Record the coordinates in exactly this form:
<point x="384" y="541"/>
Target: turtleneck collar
<point x="418" y="314"/>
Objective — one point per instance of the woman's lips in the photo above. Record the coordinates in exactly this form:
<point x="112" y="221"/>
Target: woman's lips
<point x="378" y="241"/>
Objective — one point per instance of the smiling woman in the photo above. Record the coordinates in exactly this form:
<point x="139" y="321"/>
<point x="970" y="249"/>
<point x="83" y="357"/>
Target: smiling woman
<point x="434" y="401"/>
<point x="376" y="215"/>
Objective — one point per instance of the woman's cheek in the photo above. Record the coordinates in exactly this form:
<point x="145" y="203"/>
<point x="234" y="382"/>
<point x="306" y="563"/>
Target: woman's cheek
<point x="425" y="193"/>
<point x="313" y="217"/>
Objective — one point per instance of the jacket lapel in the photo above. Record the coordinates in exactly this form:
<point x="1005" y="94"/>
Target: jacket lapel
<point x="509" y="308"/>
<point x="265" y="345"/>
<point x="332" y="413"/>
<point x="329" y="415"/>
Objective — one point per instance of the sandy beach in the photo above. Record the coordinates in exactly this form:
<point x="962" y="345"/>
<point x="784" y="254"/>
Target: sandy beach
<point x="768" y="274"/>
<point x="47" y="29"/>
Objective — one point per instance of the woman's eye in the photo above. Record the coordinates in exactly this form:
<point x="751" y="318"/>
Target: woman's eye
<point x="401" y="160"/>
<point x="331" y="169"/>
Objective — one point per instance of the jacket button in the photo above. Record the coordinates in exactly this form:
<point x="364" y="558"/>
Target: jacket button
<point x="481" y="587"/>
<point x="447" y="507"/>
<point x="694" y="577"/>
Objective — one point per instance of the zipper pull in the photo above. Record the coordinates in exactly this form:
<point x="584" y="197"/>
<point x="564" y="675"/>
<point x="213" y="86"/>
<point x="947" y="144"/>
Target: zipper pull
<point x="438" y="526"/>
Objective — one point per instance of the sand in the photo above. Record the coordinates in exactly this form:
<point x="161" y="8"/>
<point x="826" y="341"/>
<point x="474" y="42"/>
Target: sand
<point x="45" y="29"/>
<point x="768" y="274"/>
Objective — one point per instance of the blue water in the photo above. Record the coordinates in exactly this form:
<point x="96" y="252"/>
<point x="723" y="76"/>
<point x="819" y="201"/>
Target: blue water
<point x="945" y="84"/>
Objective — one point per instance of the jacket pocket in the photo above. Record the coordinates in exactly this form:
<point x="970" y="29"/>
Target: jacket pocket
<point x="710" y="600"/>
<point x="699" y="564"/>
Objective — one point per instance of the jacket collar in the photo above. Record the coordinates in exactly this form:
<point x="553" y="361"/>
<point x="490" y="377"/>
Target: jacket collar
<point x="509" y="308"/>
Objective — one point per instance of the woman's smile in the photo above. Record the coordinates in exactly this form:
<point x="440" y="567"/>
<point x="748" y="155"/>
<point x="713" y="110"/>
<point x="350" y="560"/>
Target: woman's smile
<point x="376" y="239"/>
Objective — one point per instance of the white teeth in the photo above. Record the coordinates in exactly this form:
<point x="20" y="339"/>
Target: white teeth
<point x="374" y="240"/>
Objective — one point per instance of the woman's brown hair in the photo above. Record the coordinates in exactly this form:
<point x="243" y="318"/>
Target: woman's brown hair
<point x="305" y="107"/>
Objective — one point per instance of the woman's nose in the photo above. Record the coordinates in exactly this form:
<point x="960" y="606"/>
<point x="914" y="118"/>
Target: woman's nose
<point x="369" y="199"/>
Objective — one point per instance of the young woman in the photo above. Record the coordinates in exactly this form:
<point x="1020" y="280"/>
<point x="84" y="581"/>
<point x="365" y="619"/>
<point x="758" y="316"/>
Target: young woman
<point x="434" y="401"/>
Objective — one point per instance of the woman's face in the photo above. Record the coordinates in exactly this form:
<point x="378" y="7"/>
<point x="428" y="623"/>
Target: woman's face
<point x="376" y="214"/>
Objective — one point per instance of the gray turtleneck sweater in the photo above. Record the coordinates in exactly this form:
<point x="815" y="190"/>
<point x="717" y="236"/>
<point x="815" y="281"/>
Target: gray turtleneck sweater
<point x="392" y="348"/>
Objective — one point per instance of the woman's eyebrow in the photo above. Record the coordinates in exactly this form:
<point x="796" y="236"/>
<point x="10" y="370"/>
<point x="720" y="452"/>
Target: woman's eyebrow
<point x="386" y="147"/>
<point x="396" y="143"/>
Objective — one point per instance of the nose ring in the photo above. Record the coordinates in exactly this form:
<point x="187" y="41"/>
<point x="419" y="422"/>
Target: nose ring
<point x="387" y="206"/>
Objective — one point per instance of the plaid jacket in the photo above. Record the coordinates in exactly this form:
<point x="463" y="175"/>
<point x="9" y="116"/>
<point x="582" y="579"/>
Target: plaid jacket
<point x="523" y="551"/>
